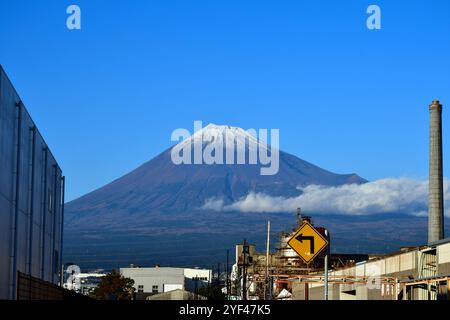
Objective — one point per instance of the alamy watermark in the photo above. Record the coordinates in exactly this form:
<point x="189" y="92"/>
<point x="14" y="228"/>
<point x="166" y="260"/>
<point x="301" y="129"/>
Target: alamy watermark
<point x="374" y="273"/>
<point x="374" y="20"/>
<point x="73" y="21"/>
<point x="221" y="145"/>
<point x="72" y="281"/>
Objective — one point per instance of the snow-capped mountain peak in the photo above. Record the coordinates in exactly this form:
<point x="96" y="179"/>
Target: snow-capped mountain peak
<point x="229" y="136"/>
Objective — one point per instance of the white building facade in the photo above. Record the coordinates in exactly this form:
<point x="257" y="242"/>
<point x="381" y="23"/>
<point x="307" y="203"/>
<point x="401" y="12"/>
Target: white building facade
<point x="164" y="279"/>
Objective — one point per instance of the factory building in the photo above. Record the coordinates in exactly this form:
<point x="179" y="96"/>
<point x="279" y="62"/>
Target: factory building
<point x="268" y="274"/>
<point x="31" y="198"/>
<point x="155" y="280"/>
<point x="421" y="273"/>
<point x="413" y="273"/>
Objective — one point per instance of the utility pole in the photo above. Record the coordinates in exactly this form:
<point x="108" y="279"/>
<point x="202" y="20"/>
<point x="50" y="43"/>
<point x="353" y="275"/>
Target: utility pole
<point x="245" y="251"/>
<point x="267" y="260"/>
<point x="218" y="274"/>
<point x="270" y="288"/>
<point x="306" y="291"/>
<point x="227" y="280"/>
<point x="210" y="275"/>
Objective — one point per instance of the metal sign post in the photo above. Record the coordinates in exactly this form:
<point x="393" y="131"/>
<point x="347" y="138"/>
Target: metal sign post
<point x="326" y="265"/>
<point x="307" y="242"/>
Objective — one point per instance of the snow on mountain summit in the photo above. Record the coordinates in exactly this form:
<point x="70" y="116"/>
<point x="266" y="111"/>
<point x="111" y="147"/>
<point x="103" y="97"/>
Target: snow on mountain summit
<point x="229" y="136"/>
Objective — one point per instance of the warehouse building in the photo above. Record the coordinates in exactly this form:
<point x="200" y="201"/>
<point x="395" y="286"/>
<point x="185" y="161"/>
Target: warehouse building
<point x="151" y="281"/>
<point x="421" y="273"/>
<point x="31" y="198"/>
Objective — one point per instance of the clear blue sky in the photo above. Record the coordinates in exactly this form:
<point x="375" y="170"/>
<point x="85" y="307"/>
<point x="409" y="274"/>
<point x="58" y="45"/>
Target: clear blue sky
<point x="348" y="99"/>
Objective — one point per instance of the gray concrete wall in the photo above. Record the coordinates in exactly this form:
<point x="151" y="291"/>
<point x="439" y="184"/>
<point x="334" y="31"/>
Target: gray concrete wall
<point x="443" y="257"/>
<point x="343" y="292"/>
<point x="30" y="232"/>
<point x="315" y="293"/>
<point x="175" y="295"/>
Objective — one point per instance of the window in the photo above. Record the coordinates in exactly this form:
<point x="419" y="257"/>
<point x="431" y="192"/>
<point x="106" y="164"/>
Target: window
<point x="154" y="289"/>
<point x="199" y="278"/>
<point x="140" y="288"/>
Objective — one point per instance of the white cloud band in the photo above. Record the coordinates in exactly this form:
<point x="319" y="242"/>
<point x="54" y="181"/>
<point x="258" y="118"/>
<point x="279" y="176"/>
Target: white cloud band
<point x="391" y="195"/>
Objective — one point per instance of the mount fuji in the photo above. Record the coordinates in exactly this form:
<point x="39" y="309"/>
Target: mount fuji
<point x="160" y="186"/>
<point x="156" y="214"/>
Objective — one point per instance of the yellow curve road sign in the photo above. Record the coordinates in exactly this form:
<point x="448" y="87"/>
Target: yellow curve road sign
<point x="307" y="242"/>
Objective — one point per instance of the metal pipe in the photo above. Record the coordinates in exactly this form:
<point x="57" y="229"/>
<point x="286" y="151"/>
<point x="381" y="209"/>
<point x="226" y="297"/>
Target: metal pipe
<point x="63" y="193"/>
<point x="16" y="203"/>
<point x="44" y="207"/>
<point x="31" y="213"/>
<point x="53" y="256"/>
<point x="326" y="265"/>
<point x="320" y="277"/>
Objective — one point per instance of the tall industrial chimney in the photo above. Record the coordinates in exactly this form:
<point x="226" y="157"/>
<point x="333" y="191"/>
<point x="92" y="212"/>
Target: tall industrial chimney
<point x="299" y="216"/>
<point x="435" y="191"/>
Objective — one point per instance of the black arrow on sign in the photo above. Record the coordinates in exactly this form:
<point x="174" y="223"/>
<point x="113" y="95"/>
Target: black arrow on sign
<point x="300" y="238"/>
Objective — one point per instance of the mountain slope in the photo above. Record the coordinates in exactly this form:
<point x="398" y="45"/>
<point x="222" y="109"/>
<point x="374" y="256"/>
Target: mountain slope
<point x="154" y="214"/>
<point x="160" y="187"/>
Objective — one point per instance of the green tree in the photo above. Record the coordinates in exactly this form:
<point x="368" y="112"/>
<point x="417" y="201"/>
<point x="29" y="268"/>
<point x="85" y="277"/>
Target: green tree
<point x="113" y="286"/>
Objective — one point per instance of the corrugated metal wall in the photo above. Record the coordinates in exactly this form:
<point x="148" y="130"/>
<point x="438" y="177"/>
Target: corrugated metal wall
<point x="30" y="197"/>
